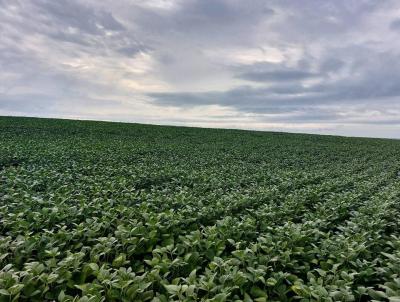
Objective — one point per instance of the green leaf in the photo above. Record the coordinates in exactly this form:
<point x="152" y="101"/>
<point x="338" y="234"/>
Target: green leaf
<point x="94" y="267"/>
<point x="257" y="292"/>
<point x="61" y="296"/>
<point x="172" y="289"/>
<point x="4" y="292"/>
<point x="376" y="294"/>
<point x="247" y="298"/>
<point x="390" y="256"/>
<point x="15" y="289"/>
<point x="120" y="260"/>
<point x="271" y="281"/>
<point x="220" y="298"/>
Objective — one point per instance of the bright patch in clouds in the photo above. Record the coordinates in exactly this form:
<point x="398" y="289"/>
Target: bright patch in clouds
<point x="158" y="4"/>
<point x="248" y="56"/>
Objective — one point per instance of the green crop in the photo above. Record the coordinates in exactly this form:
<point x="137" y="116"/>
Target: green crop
<point x="96" y="211"/>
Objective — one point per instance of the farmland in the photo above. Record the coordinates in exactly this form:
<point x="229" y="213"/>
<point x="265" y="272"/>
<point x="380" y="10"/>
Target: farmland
<point x="96" y="211"/>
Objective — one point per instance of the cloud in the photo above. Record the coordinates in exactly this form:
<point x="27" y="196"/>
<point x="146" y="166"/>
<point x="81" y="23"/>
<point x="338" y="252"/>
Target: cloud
<point x="395" y="25"/>
<point x="76" y="15"/>
<point x="294" y="65"/>
<point x="287" y="96"/>
<point x="277" y="75"/>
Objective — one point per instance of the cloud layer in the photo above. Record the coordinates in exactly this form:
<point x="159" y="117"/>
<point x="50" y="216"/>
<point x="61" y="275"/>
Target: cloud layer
<point x="309" y="66"/>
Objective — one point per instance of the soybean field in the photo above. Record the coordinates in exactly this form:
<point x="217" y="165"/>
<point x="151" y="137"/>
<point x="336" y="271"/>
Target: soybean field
<point x="100" y="211"/>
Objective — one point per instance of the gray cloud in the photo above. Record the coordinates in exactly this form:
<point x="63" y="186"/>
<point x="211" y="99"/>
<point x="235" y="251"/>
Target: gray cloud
<point x="277" y="75"/>
<point x="74" y="14"/>
<point x="375" y="85"/>
<point x="395" y="25"/>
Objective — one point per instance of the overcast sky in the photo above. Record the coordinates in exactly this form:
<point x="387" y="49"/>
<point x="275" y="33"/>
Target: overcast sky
<point x="329" y="67"/>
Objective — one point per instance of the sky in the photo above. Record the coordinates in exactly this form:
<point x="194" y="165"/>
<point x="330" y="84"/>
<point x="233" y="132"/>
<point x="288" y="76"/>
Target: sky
<point x="327" y="67"/>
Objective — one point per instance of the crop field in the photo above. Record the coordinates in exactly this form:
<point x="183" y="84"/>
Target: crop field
<point x="96" y="211"/>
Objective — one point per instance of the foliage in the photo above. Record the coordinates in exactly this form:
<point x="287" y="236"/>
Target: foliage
<point x="96" y="211"/>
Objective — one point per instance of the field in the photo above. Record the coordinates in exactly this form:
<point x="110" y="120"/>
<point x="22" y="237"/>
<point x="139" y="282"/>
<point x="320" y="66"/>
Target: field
<point x="96" y="211"/>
